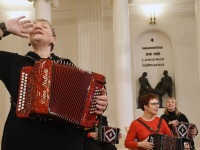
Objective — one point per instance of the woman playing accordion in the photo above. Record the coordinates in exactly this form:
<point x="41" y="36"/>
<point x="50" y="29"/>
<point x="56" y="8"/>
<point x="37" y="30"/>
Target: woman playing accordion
<point x="146" y="125"/>
<point x="179" y="124"/>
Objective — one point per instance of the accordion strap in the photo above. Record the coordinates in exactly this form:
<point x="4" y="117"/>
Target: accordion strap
<point x="148" y="127"/>
<point x="12" y="101"/>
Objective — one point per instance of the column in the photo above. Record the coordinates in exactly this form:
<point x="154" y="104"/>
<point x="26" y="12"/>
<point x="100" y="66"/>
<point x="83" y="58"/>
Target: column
<point x="43" y="8"/>
<point x="90" y="26"/>
<point x="122" y="64"/>
<point x="197" y="11"/>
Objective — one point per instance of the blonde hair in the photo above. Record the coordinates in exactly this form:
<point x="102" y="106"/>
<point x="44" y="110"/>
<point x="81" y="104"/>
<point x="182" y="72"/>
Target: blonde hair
<point x="177" y="112"/>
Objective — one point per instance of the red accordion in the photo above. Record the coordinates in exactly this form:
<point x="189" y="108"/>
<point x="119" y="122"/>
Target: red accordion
<point x="165" y="142"/>
<point x="184" y="130"/>
<point x="60" y="91"/>
<point x="108" y="134"/>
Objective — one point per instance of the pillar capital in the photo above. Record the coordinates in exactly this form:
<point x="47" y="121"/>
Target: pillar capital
<point x="111" y="1"/>
<point x="54" y="3"/>
<point x="130" y="1"/>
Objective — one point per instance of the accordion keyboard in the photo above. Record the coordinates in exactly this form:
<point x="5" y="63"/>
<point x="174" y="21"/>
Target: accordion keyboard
<point x="23" y="103"/>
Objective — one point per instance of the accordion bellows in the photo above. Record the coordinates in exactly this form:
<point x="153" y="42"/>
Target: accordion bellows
<point x="62" y="91"/>
<point x="165" y="142"/>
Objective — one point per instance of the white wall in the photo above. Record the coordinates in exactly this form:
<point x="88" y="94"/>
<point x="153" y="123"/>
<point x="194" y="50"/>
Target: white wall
<point x="179" y="28"/>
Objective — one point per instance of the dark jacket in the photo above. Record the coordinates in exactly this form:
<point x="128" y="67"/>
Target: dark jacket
<point x="25" y="134"/>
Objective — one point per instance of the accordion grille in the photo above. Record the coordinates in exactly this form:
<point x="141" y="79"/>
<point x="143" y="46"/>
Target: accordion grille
<point x="70" y="88"/>
<point x="165" y="142"/>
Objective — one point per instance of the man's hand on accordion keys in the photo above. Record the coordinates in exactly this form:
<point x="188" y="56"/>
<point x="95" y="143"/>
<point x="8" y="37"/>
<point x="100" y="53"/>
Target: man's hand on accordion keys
<point x="101" y="102"/>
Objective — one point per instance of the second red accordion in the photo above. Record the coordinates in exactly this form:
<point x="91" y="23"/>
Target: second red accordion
<point x="62" y="91"/>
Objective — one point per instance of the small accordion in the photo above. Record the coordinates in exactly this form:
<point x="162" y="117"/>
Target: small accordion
<point x="59" y="91"/>
<point x="184" y="130"/>
<point x="108" y="134"/>
<point x="165" y="142"/>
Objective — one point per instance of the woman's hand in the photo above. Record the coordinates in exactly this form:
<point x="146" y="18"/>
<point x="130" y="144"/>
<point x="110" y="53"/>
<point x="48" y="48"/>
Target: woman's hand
<point x="101" y="102"/>
<point x="174" y="122"/>
<point x="186" y="146"/>
<point x="145" y="144"/>
<point x="120" y="136"/>
<point x="93" y="135"/>
<point x="20" y="28"/>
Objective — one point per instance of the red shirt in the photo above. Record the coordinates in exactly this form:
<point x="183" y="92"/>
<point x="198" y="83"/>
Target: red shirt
<point x="140" y="132"/>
